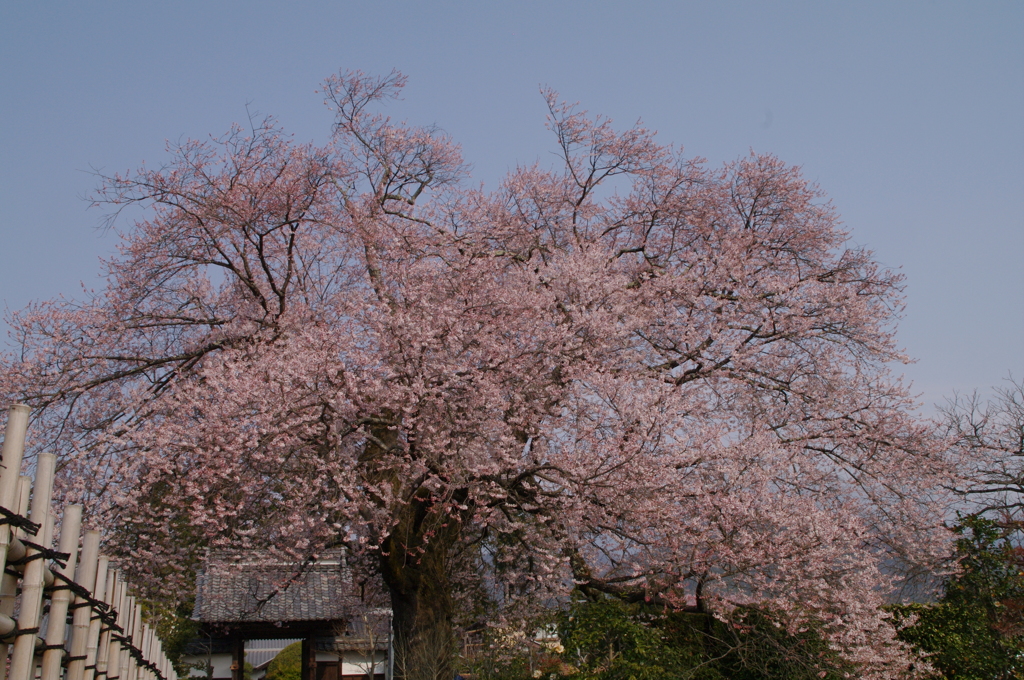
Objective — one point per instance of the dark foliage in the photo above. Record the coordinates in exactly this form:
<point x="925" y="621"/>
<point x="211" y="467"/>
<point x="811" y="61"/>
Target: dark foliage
<point x="976" y="630"/>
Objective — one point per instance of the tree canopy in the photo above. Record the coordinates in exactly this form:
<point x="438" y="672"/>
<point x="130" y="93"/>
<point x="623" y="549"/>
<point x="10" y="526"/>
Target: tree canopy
<point x="629" y="374"/>
<point x="976" y="629"/>
<point x="990" y="436"/>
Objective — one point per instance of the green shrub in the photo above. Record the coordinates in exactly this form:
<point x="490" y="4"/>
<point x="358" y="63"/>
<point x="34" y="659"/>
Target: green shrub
<point x="609" y="639"/>
<point x="287" y="665"/>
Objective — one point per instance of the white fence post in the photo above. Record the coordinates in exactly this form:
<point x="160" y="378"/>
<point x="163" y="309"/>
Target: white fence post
<point x="95" y="664"/>
<point x="87" y="577"/>
<point x="22" y="658"/>
<point x="100" y="636"/>
<point x="114" y="647"/>
<point x="53" y="653"/>
<point x="9" y="583"/>
<point x="108" y="639"/>
<point x="14" y="450"/>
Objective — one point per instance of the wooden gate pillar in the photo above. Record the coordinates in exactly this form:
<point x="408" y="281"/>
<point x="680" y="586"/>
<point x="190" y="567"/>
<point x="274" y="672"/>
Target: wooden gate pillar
<point x="308" y="659"/>
<point x="237" y="657"/>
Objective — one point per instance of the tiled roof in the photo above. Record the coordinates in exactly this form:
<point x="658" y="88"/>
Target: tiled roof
<point x="250" y="587"/>
<point x="201" y="646"/>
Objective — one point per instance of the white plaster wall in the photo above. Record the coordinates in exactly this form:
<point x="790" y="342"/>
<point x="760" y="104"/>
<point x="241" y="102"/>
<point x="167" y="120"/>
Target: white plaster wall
<point x="221" y="665"/>
<point x="359" y="663"/>
<point x="352" y="664"/>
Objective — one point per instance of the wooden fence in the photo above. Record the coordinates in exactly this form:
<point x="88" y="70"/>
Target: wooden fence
<point x="43" y="590"/>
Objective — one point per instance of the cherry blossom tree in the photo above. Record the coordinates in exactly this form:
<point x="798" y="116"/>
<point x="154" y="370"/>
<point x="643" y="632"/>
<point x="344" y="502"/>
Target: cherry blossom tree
<point x="629" y="374"/>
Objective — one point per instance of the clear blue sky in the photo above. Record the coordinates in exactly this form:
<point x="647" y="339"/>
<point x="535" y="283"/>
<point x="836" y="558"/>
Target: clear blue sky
<point x="910" y="115"/>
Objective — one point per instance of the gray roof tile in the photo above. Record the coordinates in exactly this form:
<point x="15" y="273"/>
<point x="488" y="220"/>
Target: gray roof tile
<point x="253" y="587"/>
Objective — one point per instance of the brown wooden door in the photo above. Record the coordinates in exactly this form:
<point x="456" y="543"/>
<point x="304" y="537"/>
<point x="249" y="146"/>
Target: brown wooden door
<point x="327" y="670"/>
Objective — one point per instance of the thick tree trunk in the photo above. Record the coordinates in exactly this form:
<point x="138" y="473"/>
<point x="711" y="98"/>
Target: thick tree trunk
<point x="424" y="640"/>
<point x="414" y="566"/>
